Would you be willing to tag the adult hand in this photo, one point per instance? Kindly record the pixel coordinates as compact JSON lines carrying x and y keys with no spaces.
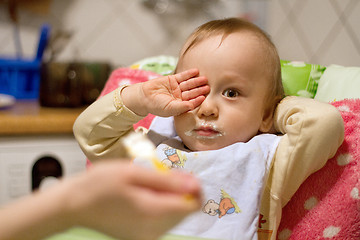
{"x":131,"y":202}
{"x":119,"y":199}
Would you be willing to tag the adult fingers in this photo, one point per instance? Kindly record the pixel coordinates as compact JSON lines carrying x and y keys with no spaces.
{"x":160,"y":203}
{"x":174,"y":182}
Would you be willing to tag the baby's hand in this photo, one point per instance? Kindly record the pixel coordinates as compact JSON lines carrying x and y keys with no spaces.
{"x":168,"y":95}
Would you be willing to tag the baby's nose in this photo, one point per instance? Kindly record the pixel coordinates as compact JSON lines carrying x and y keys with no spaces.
{"x":208,"y":108}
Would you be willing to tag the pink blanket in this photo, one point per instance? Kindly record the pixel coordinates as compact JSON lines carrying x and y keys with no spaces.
{"x":327,"y":205}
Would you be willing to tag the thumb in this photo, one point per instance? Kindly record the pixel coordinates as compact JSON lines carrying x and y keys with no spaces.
{"x":172,"y":181}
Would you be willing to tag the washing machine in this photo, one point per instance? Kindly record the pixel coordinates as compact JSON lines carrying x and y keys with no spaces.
{"x":32,"y":163}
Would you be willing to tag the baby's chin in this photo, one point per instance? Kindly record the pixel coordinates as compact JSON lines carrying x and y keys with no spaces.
{"x":205,"y":146}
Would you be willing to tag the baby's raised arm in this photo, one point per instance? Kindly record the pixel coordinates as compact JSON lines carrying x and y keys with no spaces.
{"x":167,"y":96}
{"x":101,"y":126}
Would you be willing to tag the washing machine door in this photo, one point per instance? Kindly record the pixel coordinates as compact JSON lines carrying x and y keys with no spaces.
{"x":45,"y":171}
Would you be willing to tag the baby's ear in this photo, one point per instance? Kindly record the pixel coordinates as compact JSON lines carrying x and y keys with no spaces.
{"x":267,"y":124}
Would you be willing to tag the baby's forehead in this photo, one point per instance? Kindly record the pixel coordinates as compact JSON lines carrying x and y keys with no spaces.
{"x":257,"y":44}
{"x":250,"y":42}
{"x":192,"y":41}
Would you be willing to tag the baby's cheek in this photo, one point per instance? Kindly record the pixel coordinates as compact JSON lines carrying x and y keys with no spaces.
{"x":184,"y":122}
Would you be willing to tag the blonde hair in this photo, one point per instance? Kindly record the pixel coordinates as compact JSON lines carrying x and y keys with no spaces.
{"x":227,"y":26}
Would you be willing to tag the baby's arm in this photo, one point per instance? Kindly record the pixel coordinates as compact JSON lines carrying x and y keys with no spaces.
{"x":314,"y":131}
{"x":101,"y":126}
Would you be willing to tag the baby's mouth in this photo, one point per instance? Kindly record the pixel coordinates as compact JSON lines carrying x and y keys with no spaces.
{"x":205,"y":131}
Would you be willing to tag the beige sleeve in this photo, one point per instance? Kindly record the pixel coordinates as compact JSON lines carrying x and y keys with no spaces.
{"x":101,"y":126}
{"x":314,"y":131}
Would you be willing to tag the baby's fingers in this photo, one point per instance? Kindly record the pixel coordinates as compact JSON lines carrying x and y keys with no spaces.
{"x":193,"y":83}
{"x":196,"y":101}
{"x":185,"y":75}
{"x":195,"y":92}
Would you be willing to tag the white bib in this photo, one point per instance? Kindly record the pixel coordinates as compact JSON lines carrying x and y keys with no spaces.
{"x":232,"y":181}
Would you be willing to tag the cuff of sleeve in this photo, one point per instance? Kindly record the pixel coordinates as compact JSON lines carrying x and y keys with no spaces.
{"x":119,"y":104}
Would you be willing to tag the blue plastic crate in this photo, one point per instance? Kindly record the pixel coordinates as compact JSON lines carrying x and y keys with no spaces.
{"x":20,"y":77}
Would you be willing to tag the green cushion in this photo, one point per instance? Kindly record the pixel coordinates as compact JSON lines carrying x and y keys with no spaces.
{"x":163,"y":65}
{"x":300,"y":78}
{"x":338,"y":83}
{"x":87,"y":234}
{"x":80,"y":234}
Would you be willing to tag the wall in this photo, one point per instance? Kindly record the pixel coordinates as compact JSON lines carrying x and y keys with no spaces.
{"x":124,"y":31}
{"x":318,"y":31}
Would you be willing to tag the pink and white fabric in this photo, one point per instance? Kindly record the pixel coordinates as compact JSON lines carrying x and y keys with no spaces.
{"x":327,"y":205}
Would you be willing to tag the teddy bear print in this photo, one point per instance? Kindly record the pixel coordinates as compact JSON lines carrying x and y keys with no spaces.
{"x":227,"y":205}
{"x":174,"y":158}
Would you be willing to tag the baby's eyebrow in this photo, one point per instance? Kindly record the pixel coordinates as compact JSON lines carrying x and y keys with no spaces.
{"x":235,"y":81}
{"x":232,"y":76}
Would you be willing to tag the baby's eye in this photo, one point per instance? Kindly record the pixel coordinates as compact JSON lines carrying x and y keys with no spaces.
{"x":230,"y":93}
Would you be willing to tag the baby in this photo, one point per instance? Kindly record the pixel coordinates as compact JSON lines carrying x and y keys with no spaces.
{"x":222,"y":96}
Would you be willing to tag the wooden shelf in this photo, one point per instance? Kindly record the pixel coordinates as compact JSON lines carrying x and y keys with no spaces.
{"x":28,"y":117}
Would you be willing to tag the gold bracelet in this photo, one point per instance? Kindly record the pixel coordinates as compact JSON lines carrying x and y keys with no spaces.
{"x":118,"y":102}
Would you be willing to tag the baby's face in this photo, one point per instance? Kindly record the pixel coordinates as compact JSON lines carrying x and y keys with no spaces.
{"x":235,"y":109}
